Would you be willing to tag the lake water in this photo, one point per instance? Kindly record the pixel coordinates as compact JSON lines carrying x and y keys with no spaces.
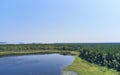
{"x":47,"y":64}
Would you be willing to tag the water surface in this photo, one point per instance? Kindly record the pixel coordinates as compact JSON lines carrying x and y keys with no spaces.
{"x":47,"y":64}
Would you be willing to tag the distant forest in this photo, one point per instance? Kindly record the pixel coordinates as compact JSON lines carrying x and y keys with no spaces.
{"x":103,"y":54}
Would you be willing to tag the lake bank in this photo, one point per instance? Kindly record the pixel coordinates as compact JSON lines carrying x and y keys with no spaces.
{"x":11,"y":53}
{"x":83,"y":67}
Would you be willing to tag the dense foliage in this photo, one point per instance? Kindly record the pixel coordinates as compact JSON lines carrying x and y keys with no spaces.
{"x":104,"y":54}
{"x":24,"y":47}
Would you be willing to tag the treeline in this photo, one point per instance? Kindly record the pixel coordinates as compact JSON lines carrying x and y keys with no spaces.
{"x":103,"y":54}
{"x":24,"y":47}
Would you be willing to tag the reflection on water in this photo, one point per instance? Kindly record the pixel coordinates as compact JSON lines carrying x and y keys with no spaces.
{"x":48,"y":64}
{"x":69,"y":73}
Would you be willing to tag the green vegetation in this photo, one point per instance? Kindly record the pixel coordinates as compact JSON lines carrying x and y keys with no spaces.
{"x":8,"y":53}
{"x":92,"y":59}
{"x":19,"y":49}
{"x":103,"y":54}
{"x":83,"y":67}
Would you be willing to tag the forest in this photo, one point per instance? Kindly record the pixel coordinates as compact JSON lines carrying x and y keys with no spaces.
{"x":103,"y":54}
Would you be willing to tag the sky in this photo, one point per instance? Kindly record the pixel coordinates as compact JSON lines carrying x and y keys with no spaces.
{"x":59,"y":21}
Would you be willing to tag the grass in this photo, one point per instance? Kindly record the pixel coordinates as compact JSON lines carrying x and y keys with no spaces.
{"x":83,"y":67}
{"x":8,"y":53}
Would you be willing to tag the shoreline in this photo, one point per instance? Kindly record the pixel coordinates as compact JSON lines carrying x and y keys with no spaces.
{"x":12,"y":53}
{"x":82,"y":67}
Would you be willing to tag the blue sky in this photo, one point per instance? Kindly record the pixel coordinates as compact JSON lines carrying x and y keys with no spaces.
{"x":60,"y":21}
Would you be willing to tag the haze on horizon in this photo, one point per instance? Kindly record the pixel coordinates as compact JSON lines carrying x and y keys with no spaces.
{"x":48,"y":21}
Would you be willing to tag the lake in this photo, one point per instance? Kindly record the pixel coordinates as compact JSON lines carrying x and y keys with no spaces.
{"x":46,"y":64}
